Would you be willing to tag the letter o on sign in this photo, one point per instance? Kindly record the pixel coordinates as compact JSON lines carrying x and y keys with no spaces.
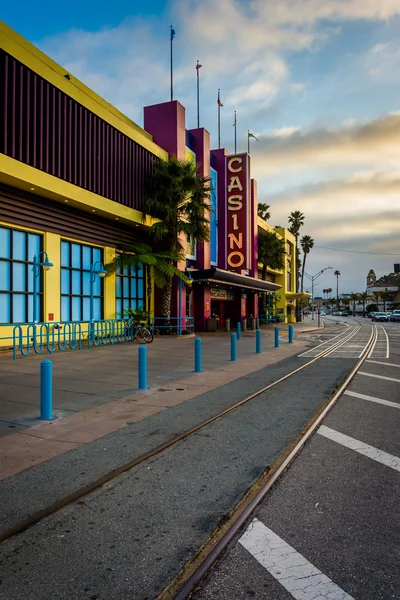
{"x":237,"y":262}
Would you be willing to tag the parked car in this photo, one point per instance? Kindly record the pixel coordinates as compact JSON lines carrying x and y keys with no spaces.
{"x":344,"y":313}
{"x":381,"y":316}
{"x":395,"y":315}
{"x":371,"y":315}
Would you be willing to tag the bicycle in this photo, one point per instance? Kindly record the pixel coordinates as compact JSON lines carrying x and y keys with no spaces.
{"x":141,"y":334}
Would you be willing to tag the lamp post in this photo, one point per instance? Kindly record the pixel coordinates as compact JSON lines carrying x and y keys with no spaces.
{"x":96,"y":268}
{"x":46,"y":264}
{"x":312,"y":278}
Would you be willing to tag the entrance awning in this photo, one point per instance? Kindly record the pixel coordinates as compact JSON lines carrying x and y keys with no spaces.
{"x":215,"y":275}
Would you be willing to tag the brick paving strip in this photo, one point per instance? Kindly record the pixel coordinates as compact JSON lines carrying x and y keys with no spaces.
{"x":34,"y":445}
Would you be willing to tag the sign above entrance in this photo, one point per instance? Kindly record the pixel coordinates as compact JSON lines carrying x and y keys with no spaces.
{"x":237,"y":212}
{"x":217,"y":294}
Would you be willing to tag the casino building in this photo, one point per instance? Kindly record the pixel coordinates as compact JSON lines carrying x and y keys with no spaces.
{"x":73,"y":171}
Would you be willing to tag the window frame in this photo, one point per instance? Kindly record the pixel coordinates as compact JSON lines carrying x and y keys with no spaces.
{"x":28,"y":266}
{"x":81,"y":272}
{"x":122,"y":297}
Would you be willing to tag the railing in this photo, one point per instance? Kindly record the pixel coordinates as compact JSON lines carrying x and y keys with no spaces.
{"x":74,"y":335}
{"x":266,"y":319}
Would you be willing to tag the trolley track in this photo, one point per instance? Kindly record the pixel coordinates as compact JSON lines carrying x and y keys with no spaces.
{"x":87,"y":489}
{"x":188,"y":580}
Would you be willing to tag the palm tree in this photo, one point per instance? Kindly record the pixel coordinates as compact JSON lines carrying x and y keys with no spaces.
{"x":178,"y":200}
{"x":377,"y":296}
{"x":354,"y":298}
{"x":271,"y":253}
{"x":263,"y":211}
{"x":364,"y":296}
{"x":337,"y":275}
{"x":158,"y":266}
{"x":306,"y":243}
{"x":385,"y":295}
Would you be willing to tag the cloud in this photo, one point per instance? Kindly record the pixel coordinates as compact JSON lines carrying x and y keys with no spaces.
{"x":367,"y":143}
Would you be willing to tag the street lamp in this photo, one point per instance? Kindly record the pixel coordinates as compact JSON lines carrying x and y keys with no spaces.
{"x":96,"y":268}
{"x":312,"y":279}
{"x":46,"y":264}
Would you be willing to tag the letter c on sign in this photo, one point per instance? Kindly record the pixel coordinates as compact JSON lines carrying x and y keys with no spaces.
{"x":238,"y":261}
{"x":231,"y":161}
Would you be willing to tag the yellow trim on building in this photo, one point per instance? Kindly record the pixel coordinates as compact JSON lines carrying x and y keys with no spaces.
{"x":44,"y":66}
{"x":286,"y":298}
{"x":24,"y":177}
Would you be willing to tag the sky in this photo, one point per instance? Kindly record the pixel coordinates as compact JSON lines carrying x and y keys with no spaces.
{"x":316,"y":81}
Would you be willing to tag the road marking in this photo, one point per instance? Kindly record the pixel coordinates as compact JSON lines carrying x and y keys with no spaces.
{"x":378,"y":376}
{"x":323,"y":343}
{"x":365,"y":449}
{"x":379,"y":362}
{"x":293,"y":571}
{"x":372,"y":399}
{"x":387,"y":341}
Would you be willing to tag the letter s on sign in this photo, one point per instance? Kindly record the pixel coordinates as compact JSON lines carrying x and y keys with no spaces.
{"x":235,"y":202}
{"x":230,"y":163}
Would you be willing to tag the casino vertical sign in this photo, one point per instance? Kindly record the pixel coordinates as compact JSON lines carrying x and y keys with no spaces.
{"x":237,"y":212}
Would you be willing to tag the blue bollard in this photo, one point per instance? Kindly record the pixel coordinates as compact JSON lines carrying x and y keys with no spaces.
{"x":258,"y":341}
{"x":239,"y":328}
{"x":233,"y":346}
{"x":142,"y":368}
{"x":197,"y":356}
{"x":291,"y":334}
{"x":46,"y":390}
{"x":276,"y":336}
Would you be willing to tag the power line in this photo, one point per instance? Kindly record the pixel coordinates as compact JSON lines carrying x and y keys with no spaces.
{"x":357,"y":251}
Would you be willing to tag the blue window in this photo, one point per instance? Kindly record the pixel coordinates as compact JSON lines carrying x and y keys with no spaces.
{"x":130,"y":292}
{"x":17,"y":249}
{"x":214,"y":217}
{"x":76,"y":260}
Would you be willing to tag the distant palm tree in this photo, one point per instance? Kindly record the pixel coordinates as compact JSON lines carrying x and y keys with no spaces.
{"x":324,"y":293}
{"x":364,"y":296}
{"x":337,"y":275}
{"x":354,"y":298}
{"x":263,"y":211}
{"x":377,"y":296}
{"x":296,"y":220}
{"x":385,"y":295}
{"x":306,"y":243}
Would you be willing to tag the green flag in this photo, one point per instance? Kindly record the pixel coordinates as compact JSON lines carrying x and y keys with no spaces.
{"x":252,"y":135}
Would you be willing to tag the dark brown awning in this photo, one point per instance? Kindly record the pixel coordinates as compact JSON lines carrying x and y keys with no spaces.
{"x":215,"y":275}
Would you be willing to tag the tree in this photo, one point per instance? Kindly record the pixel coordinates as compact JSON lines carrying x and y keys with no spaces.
{"x":178,"y":200}
{"x":263,"y":211}
{"x":364,"y":296}
{"x":271,"y":253}
{"x":306,"y":243}
{"x":158,"y":266}
{"x":337,"y":275}
{"x":377,"y":296}
{"x":354,"y":298}
{"x":296,"y":220}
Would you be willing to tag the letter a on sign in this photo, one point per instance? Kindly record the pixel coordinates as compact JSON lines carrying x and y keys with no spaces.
{"x":235,"y":184}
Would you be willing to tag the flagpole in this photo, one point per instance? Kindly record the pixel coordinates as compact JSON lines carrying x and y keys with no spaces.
{"x":219,"y":121}
{"x":235,"y":131}
{"x":198,"y":67}
{"x":172,"y":82}
{"x":248,"y":141}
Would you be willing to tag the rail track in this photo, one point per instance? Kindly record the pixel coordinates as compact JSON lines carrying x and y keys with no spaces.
{"x":186,"y":582}
{"x":38,"y":516}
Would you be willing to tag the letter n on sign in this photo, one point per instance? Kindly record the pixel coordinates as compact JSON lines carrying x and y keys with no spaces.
{"x":237,"y":217}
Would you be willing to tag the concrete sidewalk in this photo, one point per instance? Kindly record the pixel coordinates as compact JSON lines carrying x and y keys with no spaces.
{"x":95,"y":391}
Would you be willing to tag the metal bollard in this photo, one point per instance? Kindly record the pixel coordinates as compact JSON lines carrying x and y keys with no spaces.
{"x":276,"y":336}
{"x":233,"y":346}
{"x":142,"y":358}
{"x":197,"y":356}
{"x":257,"y":323}
{"x":46,"y":390}
{"x":244,"y":324}
{"x":238,"y":330}
{"x":227,"y":324}
{"x":254,"y":324}
{"x":291,"y":333}
{"x":258,"y":341}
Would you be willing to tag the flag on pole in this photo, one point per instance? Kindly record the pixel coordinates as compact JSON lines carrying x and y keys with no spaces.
{"x":234,"y":120}
{"x":252,"y":135}
{"x":198,"y":66}
{"x":219,"y":100}
{"x":172,"y":33}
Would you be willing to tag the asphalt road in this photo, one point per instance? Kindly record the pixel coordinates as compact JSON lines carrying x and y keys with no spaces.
{"x":131,"y":537}
{"x":331,"y":527}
